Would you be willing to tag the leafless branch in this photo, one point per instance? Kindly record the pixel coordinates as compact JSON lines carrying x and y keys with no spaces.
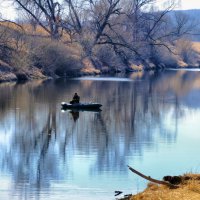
{"x":153,"y":180}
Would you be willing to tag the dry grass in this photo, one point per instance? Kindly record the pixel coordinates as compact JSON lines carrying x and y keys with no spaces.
{"x":188,"y":190}
{"x":136,"y":67}
{"x":196,"y":46}
{"x":27,"y":29}
{"x":188,"y":52}
{"x":51,"y":56}
{"x":88,"y":67}
{"x":7,"y":76}
{"x":10,"y":25}
{"x":24,"y":28}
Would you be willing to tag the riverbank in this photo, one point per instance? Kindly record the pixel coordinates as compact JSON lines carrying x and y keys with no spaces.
{"x":40,"y":57}
{"x":9,"y":73}
{"x":52,"y":59}
{"x":188,"y":189}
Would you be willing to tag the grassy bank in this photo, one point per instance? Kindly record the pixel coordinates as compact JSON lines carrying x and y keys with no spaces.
{"x":189,"y":189}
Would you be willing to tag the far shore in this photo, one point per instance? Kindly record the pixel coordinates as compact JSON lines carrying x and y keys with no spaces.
{"x":9,"y":75}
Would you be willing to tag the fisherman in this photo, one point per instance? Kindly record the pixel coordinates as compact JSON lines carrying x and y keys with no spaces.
{"x":76,"y":99}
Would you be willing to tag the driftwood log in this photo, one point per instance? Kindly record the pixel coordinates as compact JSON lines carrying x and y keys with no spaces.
{"x":176,"y":180}
{"x":153,"y":180}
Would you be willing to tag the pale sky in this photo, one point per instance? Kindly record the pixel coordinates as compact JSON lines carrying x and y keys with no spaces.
{"x":190,"y":4}
{"x":8,"y":11}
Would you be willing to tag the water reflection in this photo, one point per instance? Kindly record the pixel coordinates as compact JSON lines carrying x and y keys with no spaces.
{"x":39,"y":144}
{"x":75,"y":114}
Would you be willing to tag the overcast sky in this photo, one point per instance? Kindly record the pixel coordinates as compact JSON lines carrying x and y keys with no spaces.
{"x":190,"y":4}
{"x":9,"y":13}
{"x":7,"y":10}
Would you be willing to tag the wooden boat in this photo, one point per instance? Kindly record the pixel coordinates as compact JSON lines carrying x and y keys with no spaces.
{"x":81,"y":106}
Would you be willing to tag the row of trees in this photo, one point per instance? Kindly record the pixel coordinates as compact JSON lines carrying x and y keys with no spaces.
{"x":128,"y":31}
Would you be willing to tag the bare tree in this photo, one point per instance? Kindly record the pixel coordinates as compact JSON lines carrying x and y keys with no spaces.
{"x":134,"y":29}
{"x":28,"y":18}
{"x":142,"y":30}
{"x":50,"y":10}
{"x":88,"y":20}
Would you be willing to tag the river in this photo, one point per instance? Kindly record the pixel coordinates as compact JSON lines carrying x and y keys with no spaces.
{"x":149,"y":121}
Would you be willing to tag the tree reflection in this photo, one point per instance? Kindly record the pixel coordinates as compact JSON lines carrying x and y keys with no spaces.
{"x":41,"y":140}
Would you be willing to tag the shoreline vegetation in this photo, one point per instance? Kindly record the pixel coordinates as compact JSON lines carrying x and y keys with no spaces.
{"x":52,"y":39}
{"x":71,"y":64}
{"x":185,"y":187}
{"x":189,"y":189}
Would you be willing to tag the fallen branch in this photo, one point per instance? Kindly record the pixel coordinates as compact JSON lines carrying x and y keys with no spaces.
{"x":153,"y":180}
{"x":118,"y":193}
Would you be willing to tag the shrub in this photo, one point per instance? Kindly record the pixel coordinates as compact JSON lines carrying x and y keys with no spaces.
{"x":5,"y":44}
{"x":55,"y":57}
{"x":186,"y":51}
{"x":20,"y":60}
{"x":107,"y":57}
{"x":162,"y":56}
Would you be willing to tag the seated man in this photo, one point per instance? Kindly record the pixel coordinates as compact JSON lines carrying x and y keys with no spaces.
{"x":76,"y":99}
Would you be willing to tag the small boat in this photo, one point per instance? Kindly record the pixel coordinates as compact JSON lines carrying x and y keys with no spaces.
{"x":81,"y":106}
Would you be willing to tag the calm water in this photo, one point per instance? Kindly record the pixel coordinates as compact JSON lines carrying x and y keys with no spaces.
{"x":150,"y":122}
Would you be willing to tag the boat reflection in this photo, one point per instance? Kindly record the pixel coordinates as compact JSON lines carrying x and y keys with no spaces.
{"x":81,"y":109}
{"x":75,"y":115}
{"x":75,"y":111}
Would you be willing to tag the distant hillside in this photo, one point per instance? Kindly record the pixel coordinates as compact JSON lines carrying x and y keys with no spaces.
{"x":192,"y":13}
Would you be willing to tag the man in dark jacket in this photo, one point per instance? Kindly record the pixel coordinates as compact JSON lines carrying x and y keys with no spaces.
{"x":76,"y":99}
